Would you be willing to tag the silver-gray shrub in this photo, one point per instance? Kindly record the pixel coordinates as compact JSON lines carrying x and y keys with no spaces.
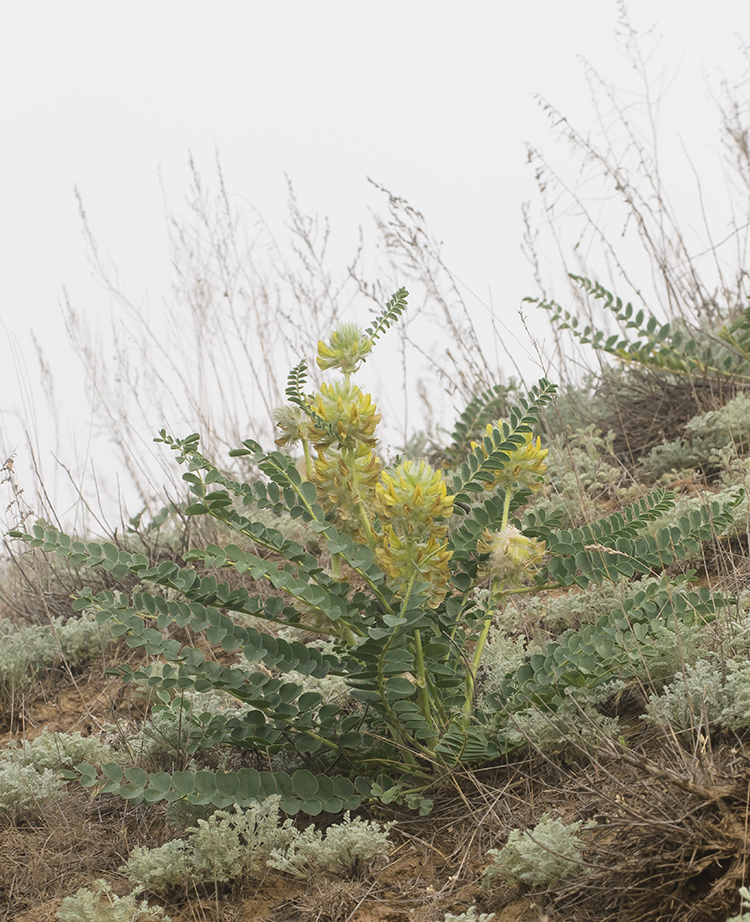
{"x":538,"y":857}
{"x":26,"y":652}
{"x":742,"y":916}
{"x":714,"y":692}
{"x":229,"y":844}
{"x":26,"y":793}
{"x":221,"y":848}
{"x":574,"y":729}
{"x":471,"y":915}
{"x":704,"y":437}
{"x":169,"y":728}
{"x":99,"y":904}
{"x":347,"y":848}
{"x":57,"y":751}
{"x":581,"y":471}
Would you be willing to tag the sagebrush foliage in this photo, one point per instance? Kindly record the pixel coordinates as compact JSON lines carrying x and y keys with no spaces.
{"x":229,"y":844}
{"x":394,"y":595}
{"x":26,"y":653}
{"x":538,"y":857}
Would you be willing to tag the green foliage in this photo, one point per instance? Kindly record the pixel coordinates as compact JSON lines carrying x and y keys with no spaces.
{"x":484,"y":408}
{"x":539,"y":857}
{"x":101,"y":905}
{"x":403,"y":590}
{"x":665,"y":347}
{"x":617,"y":646}
{"x":390,"y":314}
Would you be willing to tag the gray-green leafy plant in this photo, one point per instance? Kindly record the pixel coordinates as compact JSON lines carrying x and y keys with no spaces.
{"x":404,"y":549}
{"x":745,"y":904}
{"x":346,"y":849}
{"x":56,"y":751}
{"x":714,"y":692}
{"x":231,"y":843}
{"x":26,"y":653}
{"x":220,"y":848}
{"x":670,"y":348}
{"x":471,"y":915}
{"x":541,"y":856}
{"x":26,"y":793}
{"x":100,"y":904}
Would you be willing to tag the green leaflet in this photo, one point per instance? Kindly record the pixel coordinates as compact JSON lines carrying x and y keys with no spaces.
{"x":659,"y":346}
{"x":302,"y":791}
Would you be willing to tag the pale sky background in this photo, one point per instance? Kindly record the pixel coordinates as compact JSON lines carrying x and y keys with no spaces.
{"x":434,"y":100}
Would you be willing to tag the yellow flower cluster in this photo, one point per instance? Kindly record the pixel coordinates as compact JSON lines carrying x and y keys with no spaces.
{"x":344,"y":480}
{"x":412,"y":504}
{"x":352,"y":415}
{"x":346,"y":349}
{"x":526,"y":464}
{"x":513,"y":557}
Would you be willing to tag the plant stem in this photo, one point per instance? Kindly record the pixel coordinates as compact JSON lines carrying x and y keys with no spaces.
{"x":308,"y":459}
{"x":506,"y":509}
{"x":423,"y":694}
{"x":471,"y":672}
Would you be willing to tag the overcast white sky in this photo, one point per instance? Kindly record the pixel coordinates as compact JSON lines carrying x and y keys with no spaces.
{"x":432,"y":99}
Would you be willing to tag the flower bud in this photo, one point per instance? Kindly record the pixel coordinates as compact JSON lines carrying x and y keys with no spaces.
{"x":293,"y":424}
{"x":346,"y":349}
{"x":513,"y":557}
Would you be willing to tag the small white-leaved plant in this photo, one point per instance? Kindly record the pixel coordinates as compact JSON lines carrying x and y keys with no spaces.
{"x":470,"y":916}
{"x":709,"y":693}
{"x":220,"y":848}
{"x":347,"y":849}
{"x":538,"y":857}
{"x":26,"y":652}
{"x":228,"y":845}
{"x":101,"y":905}
{"x":56,"y":751}
{"x":26,"y":793}
{"x":745,"y":898}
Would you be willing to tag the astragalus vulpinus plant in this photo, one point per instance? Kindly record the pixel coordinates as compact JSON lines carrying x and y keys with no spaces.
{"x":415,"y":563}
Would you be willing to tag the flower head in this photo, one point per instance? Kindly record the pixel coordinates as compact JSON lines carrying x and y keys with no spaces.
{"x":412,"y":502}
{"x":346,"y":349}
{"x":525,"y":465}
{"x":412,"y":496}
{"x":293,"y":424}
{"x":513,"y":556}
{"x":351,"y":415}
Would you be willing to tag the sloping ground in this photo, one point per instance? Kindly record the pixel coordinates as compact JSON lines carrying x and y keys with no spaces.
{"x":669,"y":840}
{"x":664,"y":810}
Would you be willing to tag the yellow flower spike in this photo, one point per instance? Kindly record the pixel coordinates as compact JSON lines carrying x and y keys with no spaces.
{"x":411,"y":501}
{"x":351,"y":414}
{"x":526,"y":465}
{"x":514,"y":558}
{"x":412,"y":496}
{"x":335,"y":476}
{"x":346,"y":349}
